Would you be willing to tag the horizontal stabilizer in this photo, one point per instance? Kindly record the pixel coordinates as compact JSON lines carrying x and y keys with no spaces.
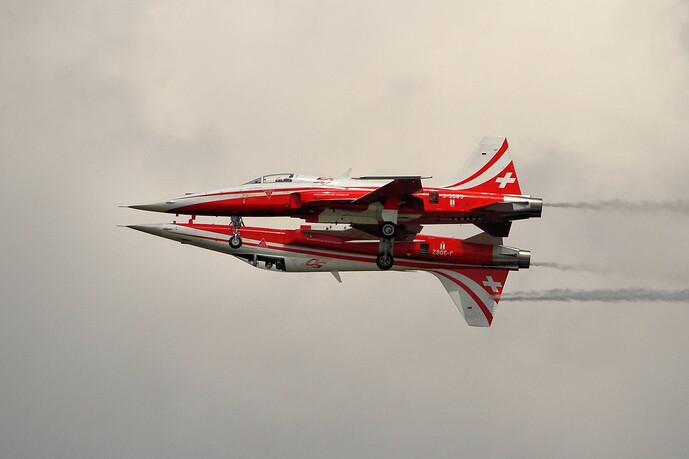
{"x":484,"y":239}
{"x":496,"y":229}
{"x":476,"y":292}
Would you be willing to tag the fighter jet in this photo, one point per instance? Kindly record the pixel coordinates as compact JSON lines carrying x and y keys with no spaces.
{"x":473,"y":270}
{"x":487,"y":194}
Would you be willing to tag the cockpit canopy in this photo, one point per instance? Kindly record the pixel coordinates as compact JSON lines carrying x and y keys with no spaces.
{"x":272,"y":178}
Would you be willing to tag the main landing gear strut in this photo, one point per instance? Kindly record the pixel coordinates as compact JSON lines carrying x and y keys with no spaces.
{"x":388,"y":231}
{"x":235,"y":223}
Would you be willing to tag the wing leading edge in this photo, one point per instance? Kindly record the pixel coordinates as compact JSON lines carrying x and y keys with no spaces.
{"x":398,"y":187}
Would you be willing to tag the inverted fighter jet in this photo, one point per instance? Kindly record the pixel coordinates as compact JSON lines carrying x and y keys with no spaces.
{"x":473,"y":270}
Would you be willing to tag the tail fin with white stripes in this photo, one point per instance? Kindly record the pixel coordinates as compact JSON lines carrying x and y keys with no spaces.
{"x":475,"y":291}
{"x":490,"y":169}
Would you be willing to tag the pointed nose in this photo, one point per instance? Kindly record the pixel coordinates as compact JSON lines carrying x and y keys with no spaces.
{"x":156,"y":230}
{"x":154,"y":207}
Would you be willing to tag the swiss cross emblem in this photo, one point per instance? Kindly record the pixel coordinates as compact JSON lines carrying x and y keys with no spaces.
{"x":492,"y":284}
{"x":505,"y":180}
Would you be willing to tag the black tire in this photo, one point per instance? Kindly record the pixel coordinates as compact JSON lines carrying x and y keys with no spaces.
{"x":388,"y":230}
{"x":384,"y":261}
{"x":235,"y":241}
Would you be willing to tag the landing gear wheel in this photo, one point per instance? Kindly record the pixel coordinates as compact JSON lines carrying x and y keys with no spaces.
{"x":385,"y":261}
{"x":388,"y":230}
{"x":235,"y":241}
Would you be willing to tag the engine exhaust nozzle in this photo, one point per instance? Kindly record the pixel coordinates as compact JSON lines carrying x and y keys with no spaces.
{"x":510,"y":257}
{"x":523,"y":259}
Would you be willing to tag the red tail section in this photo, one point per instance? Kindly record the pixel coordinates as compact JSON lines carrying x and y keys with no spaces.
{"x":490,"y":169}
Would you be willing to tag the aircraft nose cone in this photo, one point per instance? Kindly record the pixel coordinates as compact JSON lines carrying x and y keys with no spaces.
{"x":156,"y":230}
{"x":154,"y":207}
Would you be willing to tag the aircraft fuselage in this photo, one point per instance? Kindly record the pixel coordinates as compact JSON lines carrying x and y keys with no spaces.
{"x":327,"y":200}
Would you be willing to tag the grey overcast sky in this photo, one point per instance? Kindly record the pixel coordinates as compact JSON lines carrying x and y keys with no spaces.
{"x":114,"y":343}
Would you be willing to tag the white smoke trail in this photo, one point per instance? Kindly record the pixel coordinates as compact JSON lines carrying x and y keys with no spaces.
{"x":604,"y":295}
{"x":561,"y":266}
{"x":678,"y":206}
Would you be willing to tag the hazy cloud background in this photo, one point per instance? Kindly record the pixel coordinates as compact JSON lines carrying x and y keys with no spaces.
{"x":114,"y":343}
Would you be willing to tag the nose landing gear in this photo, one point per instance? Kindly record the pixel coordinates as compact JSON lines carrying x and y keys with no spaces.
{"x":235,"y":241}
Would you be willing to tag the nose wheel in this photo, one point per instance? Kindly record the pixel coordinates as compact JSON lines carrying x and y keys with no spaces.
{"x":236,"y":240}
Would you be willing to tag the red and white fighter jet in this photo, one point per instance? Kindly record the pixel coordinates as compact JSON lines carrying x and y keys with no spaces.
{"x":473,"y":270}
{"x":487,"y":194}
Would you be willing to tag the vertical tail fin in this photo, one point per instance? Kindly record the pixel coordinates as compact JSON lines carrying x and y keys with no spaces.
{"x":475,"y":291}
{"x":490,"y":169}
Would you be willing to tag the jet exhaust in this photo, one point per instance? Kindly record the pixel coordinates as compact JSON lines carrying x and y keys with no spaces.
{"x":510,"y":257}
{"x":519,"y":207}
{"x":623,"y":295}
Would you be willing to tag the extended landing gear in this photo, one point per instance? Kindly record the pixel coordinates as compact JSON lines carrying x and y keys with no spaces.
{"x":236,"y":240}
{"x":384,"y":261}
{"x":388,"y":230}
